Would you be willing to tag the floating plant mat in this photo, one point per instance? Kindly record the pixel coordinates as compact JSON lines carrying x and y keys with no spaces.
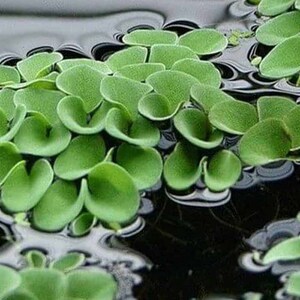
{"x":76,"y":158}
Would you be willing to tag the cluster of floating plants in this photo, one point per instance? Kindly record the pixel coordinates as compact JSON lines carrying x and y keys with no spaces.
{"x":61,"y":279}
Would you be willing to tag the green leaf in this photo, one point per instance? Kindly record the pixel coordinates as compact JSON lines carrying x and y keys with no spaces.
{"x":278,"y":29}
{"x":204,"y":41}
{"x":37,"y":137}
{"x":10,"y":280}
{"x":274,"y":107}
{"x":174,"y":85}
{"x":44,"y":284}
{"x":204,"y":71}
{"x":84,"y":82}
{"x":183,"y":166}
{"x":297,"y":4}
{"x":40,"y":100}
{"x":88,"y":151}
{"x":72,"y":114}
{"x":139,"y":72}
{"x":265,"y":142}
{"x":59,"y":206}
{"x":7,"y":103}
{"x":111,"y":194}
{"x":69,"y":262}
{"x":169,"y":54}
{"x":36,"y":259}
{"x":156,"y":107}
{"x":292,"y":285}
{"x":193,"y":124}
{"x":235,"y":117}
{"x":141,"y":132}
{"x":222,"y":171}
{"x":124,"y":93}
{"x":70,"y":63}
{"x":207,"y":96}
{"x":91,"y":285}
{"x":281,"y":61}
{"x":286,"y":251}
{"x":131,"y":158}
{"x":19,"y":294}
{"x":128,"y":56}
{"x":8,"y":75}
{"x":22,"y":190}
{"x":83,"y":224}
{"x":293,"y":127}
{"x":38,"y":65}
{"x":274,"y":7}
{"x":9,"y":157}
{"x":144,"y":37}
{"x":48,"y":83}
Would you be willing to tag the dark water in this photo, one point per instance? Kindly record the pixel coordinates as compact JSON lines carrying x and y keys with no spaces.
{"x":194,"y":250}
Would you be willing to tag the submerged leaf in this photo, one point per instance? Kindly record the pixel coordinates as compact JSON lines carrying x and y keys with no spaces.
{"x":293,"y":127}
{"x":235,"y":117}
{"x":204,"y":41}
{"x":59,"y":206}
{"x":145,"y":37}
{"x":21,"y":190}
{"x":274,"y":7}
{"x":88,"y":151}
{"x":69,"y":262}
{"x":193,"y":124}
{"x":111,"y":194}
{"x":8,"y":75}
{"x":169,"y":54}
{"x":278,"y":29}
{"x":38,"y":65}
{"x":10,"y":280}
{"x":131,"y":158}
{"x":281,"y":61}
{"x":183,"y":166}
{"x":265,"y":142}
{"x":83,"y":224}
{"x":222,"y":170}
{"x":84,"y":82}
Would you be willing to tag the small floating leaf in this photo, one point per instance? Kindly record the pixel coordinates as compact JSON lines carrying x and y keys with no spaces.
{"x":124,"y":93}
{"x":131,"y":158}
{"x":286,"y":250}
{"x":84,"y":82}
{"x":70,"y":63}
{"x":292,"y":285}
{"x":141,"y":132}
{"x":144,"y":37}
{"x":274,"y":107}
{"x":40,"y":100}
{"x":292,"y":122}
{"x":38,"y":65}
{"x":265,"y":142}
{"x":204,"y":41}
{"x":193,"y":124}
{"x":111,"y":194}
{"x":37,"y":137}
{"x":207,"y":96}
{"x":68,"y":262}
{"x":72,"y":114}
{"x":88,"y":151}
{"x":36,"y":259}
{"x":140,"y":72}
{"x":274,"y":7}
{"x":128,"y":56}
{"x":59,"y":206}
{"x":222,"y":170}
{"x":7,"y":103}
{"x":10,"y":280}
{"x":44,"y":284}
{"x":83,"y":224}
{"x":183,"y":166}
{"x":169,"y":54}
{"x":281,"y":61}
{"x":22,"y":191}
{"x":234,"y":117}
{"x":278,"y":29}
{"x":157,"y":107}
{"x":204,"y":71}
{"x":97,"y":285}
{"x":8,"y":75}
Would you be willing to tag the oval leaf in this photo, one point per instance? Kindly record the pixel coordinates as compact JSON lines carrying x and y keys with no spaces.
{"x":36,"y":259}
{"x":274,"y":7}
{"x":292,"y":285}
{"x":68,"y":262}
{"x":83,"y":224}
{"x":8,"y":75}
{"x":10,"y":280}
{"x":293,"y":126}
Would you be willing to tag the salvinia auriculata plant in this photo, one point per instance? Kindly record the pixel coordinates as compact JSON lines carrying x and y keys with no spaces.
{"x":79,"y":137}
